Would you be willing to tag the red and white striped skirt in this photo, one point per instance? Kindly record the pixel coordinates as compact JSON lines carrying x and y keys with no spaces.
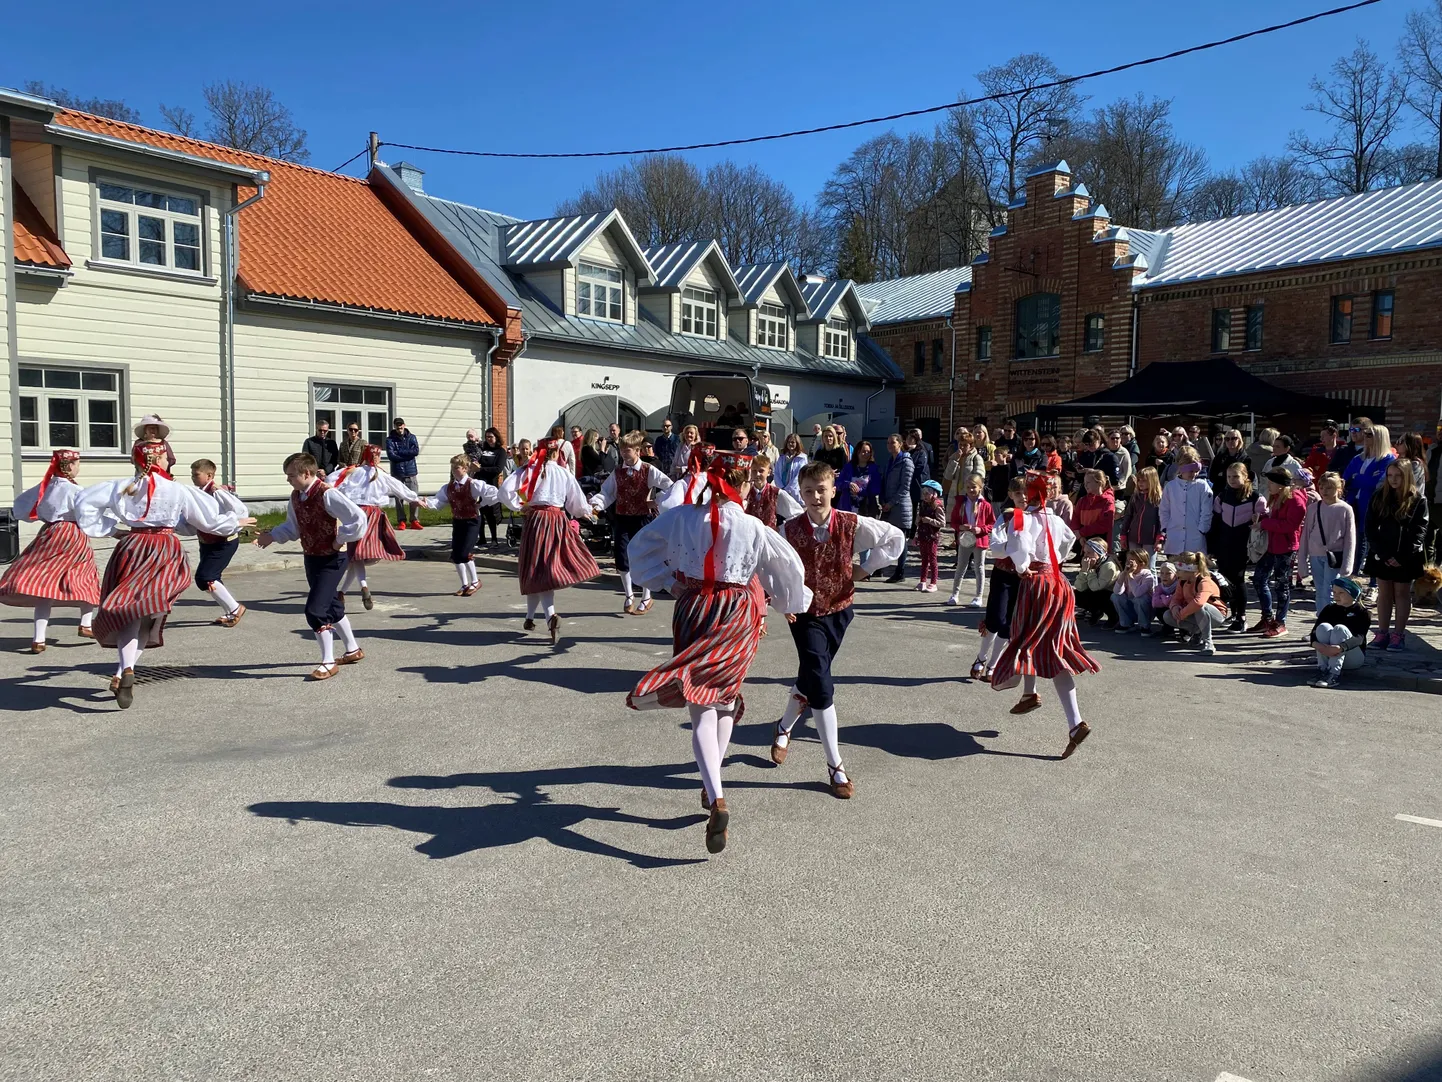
{"x":1044,"y":640}
{"x":380,"y":542}
{"x":716,"y":630}
{"x":146,"y":573}
{"x":57,"y":566}
{"x":553,"y":556}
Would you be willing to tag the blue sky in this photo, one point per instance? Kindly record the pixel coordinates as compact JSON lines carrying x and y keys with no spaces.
{"x":553,"y":75}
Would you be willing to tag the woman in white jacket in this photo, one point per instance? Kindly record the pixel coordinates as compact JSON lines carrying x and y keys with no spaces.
{"x":1186,"y":511}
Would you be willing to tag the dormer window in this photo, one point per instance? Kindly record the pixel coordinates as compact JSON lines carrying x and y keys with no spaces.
{"x":838,"y":339}
{"x":773,"y":327}
{"x":149,"y":228}
{"x":698,"y":312}
{"x":598,"y":292}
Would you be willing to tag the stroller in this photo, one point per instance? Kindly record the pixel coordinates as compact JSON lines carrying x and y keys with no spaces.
{"x":597,"y":533}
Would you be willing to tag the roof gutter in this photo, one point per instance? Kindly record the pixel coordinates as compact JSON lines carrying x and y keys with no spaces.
{"x":173,"y":157}
{"x":327,"y":308}
{"x":230,"y":257}
{"x":866,"y":409}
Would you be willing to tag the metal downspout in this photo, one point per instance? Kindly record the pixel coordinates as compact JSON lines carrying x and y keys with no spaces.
{"x":866,"y":419}
{"x":485,"y":364}
{"x":230,"y":257}
{"x":951,"y":390}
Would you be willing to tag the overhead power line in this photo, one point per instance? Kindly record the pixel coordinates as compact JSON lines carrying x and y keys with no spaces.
{"x":1064,"y":81}
{"x":352,"y":158}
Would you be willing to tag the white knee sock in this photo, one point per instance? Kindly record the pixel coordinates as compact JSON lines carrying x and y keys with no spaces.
{"x":626,"y":588}
{"x":326,"y":638}
{"x":347,"y":635}
{"x":42,"y":620}
{"x":532,"y":601}
{"x":87,"y":615}
{"x":465,"y":578}
{"x":997,"y":646}
{"x":548,"y":602}
{"x":703,"y":746}
{"x":223,"y":597}
{"x":471,"y":571}
{"x":795,"y":703}
{"x":725,"y":722}
{"x":1028,"y":685}
{"x":127,"y":646}
{"x":645,"y":593}
{"x":987,"y":641}
{"x":1065,"y":685}
{"x":826,"y":728}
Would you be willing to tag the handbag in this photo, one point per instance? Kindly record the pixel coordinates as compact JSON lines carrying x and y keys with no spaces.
{"x":1257,"y":542}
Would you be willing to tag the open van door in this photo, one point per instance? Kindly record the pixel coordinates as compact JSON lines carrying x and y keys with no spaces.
{"x":718,"y":401}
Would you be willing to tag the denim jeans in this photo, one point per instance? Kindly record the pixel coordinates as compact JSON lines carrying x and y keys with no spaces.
{"x":1323,"y":575}
{"x":1336,"y":635}
{"x":1274,"y":571}
{"x":1201,"y":623}
{"x":403,"y":506}
{"x":1133,"y":610}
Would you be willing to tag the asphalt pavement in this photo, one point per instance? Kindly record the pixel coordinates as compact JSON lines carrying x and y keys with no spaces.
{"x":466,"y":859}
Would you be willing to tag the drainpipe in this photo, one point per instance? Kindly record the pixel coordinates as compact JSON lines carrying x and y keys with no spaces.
{"x":230,"y":266}
{"x":1136,"y":325}
{"x":951,"y":387}
{"x":485,"y":363}
{"x":866,"y":416}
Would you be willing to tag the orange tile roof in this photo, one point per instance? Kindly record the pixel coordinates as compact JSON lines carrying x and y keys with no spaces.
{"x":35,"y":242}
{"x":319,"y":236}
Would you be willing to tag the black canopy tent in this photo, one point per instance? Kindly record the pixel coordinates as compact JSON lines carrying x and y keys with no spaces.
{"x":1211,"y":388}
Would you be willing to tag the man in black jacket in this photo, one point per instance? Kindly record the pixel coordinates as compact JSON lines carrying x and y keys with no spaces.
{"x":322,"y":448}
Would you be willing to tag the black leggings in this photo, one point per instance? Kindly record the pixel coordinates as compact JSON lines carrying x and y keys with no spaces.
{"x":1236,"y":593}
{"x":491,"y":520}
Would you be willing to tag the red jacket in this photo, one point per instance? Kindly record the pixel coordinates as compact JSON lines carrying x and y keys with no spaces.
{"x":985,"y":520}
{"x":1284,"y":524}
{"x":1093,"y":516}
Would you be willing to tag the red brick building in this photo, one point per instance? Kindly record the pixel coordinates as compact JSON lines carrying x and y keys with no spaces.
{"x":1340,"y":298}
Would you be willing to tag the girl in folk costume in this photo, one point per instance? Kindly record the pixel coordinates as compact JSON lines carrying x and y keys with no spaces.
{"x":57,"y":568}
{"x":147,"y":570}
{"x":720,"y":563}
{"x":324,"y":521}
{"x":827,"y":541}
{"x":465,"y":495}
{"x":632,"y":488}
{"x":216,"y":551}
{"x":995,"y":625}
{"x":765,"y":500}
{"x":369,"y":487}
{"x":1044,"y":640}
{"x":552,"y":555}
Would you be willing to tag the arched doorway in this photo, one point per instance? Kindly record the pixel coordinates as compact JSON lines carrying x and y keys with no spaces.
{"x":600,"y":410}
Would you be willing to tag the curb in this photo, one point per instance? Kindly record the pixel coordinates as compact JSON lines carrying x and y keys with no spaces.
{"x":1428,"y":685}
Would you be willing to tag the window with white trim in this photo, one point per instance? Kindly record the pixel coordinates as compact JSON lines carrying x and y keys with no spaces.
{"x":838,"y":339}
{"x":75,"y":408}
{"x":698,"y":312}
{"x":598,"y":292}
{"x":149,"y":228}
{"x":773,"y":327}
{"x":345,"y":405}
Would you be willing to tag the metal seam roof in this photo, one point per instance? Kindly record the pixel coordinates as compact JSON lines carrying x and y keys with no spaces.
{"x":918,"y":296}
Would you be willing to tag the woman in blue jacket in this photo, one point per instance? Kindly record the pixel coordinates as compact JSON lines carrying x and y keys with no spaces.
{"x":896,"y":506}
{"x":1363,"y":476}
{"x":862,"y":472}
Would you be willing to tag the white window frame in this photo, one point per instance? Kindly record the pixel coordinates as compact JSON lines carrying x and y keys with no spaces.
{"x":700,"y":312}
{"x":773,"y":326}
{"x":333,"y":401}
{"x":837,"y":334}
{"x":598,"y":285}
{"x":39,"y":402}
{"x":109,"y":203}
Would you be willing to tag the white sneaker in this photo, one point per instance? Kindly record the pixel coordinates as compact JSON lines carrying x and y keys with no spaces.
{"x":977,"y":603}
{"x":953,"y":600}
{"x":1208,"y":649}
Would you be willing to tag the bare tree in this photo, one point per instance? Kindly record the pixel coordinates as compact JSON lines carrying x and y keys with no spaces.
{"x":1407,"y":164}
{"x":814,"y":246}
{"x":113,"y":108}
{"x":754,"y":216}
{"x":1221,"y":195}
{"x":1012,"y":129}
{"x":1279,"y":182}
{"x":1362,"y":102}
{"x":661,"y":196}
{"x":1420,"y":54}
{"x":244,"y":116}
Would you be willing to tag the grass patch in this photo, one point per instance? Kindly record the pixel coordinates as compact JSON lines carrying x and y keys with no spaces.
{"x":428,"y":518}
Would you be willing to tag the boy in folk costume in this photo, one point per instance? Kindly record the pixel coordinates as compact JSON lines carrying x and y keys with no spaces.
{"x":766,"y":501}
{"x":1044,"y":640}
{"x":369,"y":487}
{"x":324,"y":521}
{"x":632,"y":487}
{"x":147,"y":570}
{"x":552,"y":555}
{"x":720,"y":563}
{"x":827,"y":541}
{"x":995,"y":624}
{"x":465,"y":495}
{"x":216,"y":551}
{"x":57,"y":568}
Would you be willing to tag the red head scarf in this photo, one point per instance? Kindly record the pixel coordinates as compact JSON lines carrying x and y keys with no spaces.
{"x":721,"y":462}
{"x":534,"y":468}
{"x":370,"y":456}
{"x":57,"y":459}
{"x":151,"y":458}
{"x":696,"y":466}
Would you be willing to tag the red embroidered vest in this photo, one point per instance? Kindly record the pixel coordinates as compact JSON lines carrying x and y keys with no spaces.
{"x":209,"y":538}
{"x":762,"y":504}
{"x":463,"y":500}
{"x":633,"y":490}
{"x":317,"y":526}
{"x":828,"y":563}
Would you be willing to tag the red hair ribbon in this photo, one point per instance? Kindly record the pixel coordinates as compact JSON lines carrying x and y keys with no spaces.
{"x":1037,"y":487}
{"x":534,"y":468}
{"x":57,"y":459}
{"x":370,"y":456}
{"x":721,"y":461}
{"x":701,"y":454}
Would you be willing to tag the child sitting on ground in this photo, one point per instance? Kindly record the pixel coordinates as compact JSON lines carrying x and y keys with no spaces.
{"x":1093,"y":583}
{"x":1340,"y":636}
{"x":1162,"y":595}
{"x":1132,"y":593}
{"x":930,"y":519}
{"x":1197,"y":608}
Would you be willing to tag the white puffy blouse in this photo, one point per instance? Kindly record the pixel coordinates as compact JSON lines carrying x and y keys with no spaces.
{"x":556,"y":488}
{"x":1027,"y":547}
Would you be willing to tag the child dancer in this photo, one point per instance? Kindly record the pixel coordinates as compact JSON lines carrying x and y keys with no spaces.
{"x":325,"y":521}
{"x":720,"y":563}
{"x":766,"y":501}
{"x":827,"y":541}
{"x":465,"y":495}
{"x":369,"y":487}
{"x":147,"y":570}
{"x":552,"y":556}
{"x":972,"y":518}
{"x":995,"y":625}
{"x":57,"y":568}
{"x":1045,"y":642}
{"x":930,"y":519}
{"x":216,"y":550}
{"x":632,"y":487}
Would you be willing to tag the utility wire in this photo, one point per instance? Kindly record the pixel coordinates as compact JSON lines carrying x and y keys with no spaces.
{"x":352,"y":158}
{"x":1065,"y":81}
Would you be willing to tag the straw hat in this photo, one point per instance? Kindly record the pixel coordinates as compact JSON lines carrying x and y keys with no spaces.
{"x":151,"y":419}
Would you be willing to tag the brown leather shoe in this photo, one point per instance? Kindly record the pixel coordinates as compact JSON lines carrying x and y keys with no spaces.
{"x":978,"y":670}
{"x":125,"y":689}
{"x":324,"y":673}
{"x":1026,"y":704}
{"x":705,"y":800}
{"x":351,"y":658}
{"x":840,"y":790}
{"x":85,"y":632}
{"x":629,"y":608}
{"x":230,"y":619}
{"x":778,"y":751}
{"x":1080,"y":733}
{"x":37,"y":648}
{"x":554,"y":625}
{"x":644,"y":607}
{"x":716,"y":826}
{"x":530,"y":624}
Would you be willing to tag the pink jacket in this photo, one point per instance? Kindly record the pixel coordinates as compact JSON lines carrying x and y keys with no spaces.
{"x":985,"y":520}
{"x":1283,"y":524}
